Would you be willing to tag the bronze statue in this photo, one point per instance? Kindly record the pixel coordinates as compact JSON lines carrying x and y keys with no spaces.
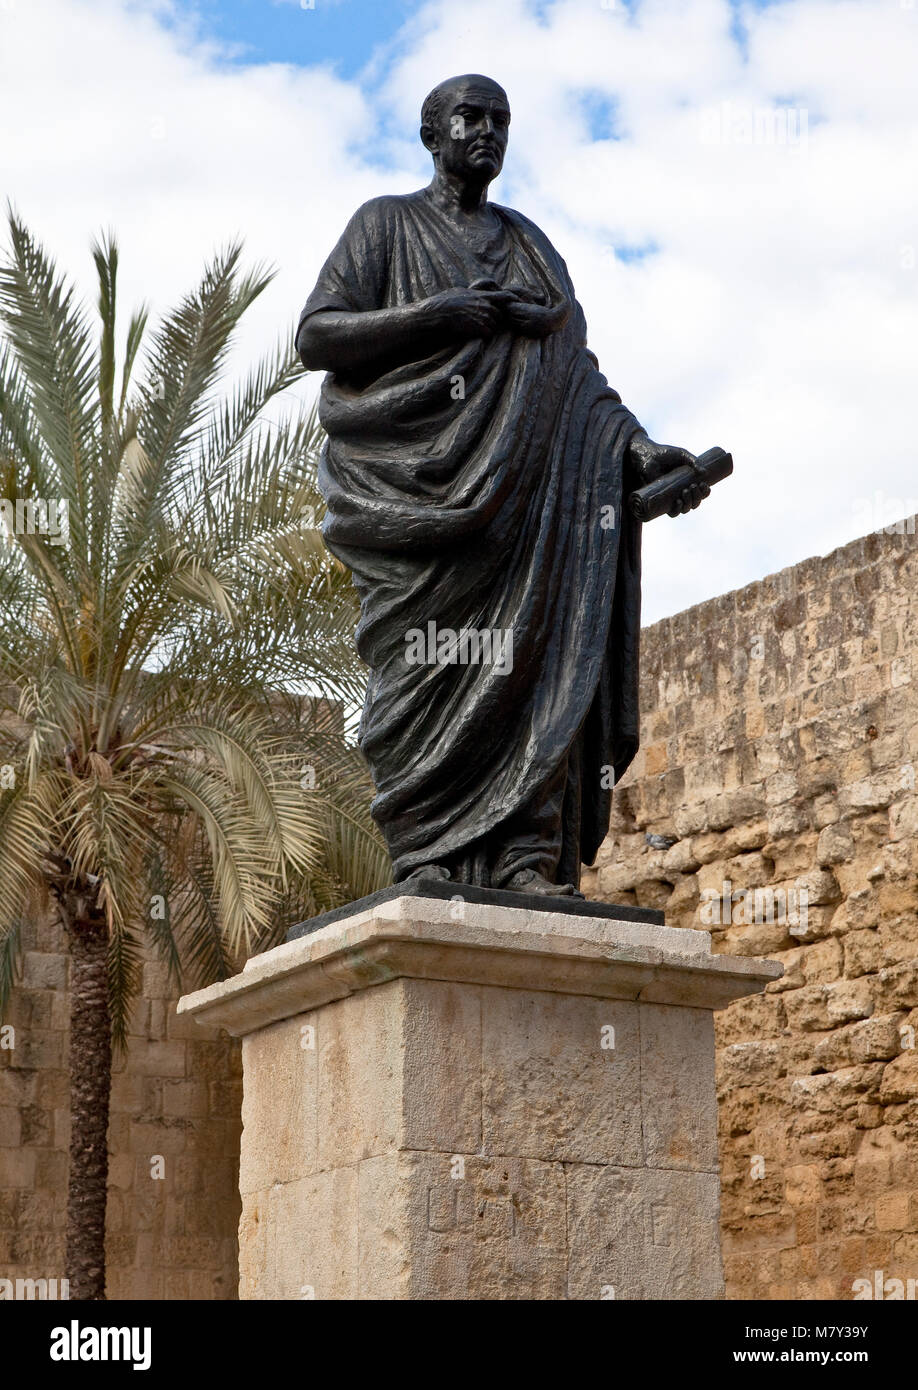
{"x":477,"y":476}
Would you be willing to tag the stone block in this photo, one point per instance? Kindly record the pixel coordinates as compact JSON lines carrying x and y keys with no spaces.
{"x":441,"y":1226}
{"x":678,"y":1094}
{"x":896,"y":1211}
{"x":17,"y":1168}
{"x":158,"y":1058}
{"x":900,"y":1079}
{"x":642,"y":1234}
{"x":874,"y":1039}
{"x":750,"y":1062}
{"x":442,"y":1073}
{"x":279,"y":1104}
{"x":560,"y":1077}
{"x":399,"y":1066}
{"x":41,"y":970}
{"x":313,"y":1236}
{"x":184,"y":1099}
{"x":10,"y":1126}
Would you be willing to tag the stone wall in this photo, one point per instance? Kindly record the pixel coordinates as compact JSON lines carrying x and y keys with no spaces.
{"x":173,"y":1205}
{"x":780,"y":740}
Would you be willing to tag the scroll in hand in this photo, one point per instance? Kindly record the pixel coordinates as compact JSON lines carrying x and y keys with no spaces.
{"x":649,"y":502}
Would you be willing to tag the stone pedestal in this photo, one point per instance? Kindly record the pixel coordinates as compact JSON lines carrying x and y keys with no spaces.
{"x":451,"y":1099}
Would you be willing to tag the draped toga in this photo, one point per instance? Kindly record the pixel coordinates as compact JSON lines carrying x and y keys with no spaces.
{"x":482,"y":487}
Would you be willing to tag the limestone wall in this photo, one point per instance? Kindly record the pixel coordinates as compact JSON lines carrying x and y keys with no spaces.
{"x":780,"y":740}
{"x":173,"y":1206}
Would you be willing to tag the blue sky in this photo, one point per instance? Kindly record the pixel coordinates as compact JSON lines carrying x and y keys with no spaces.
{"x":343,"y":33}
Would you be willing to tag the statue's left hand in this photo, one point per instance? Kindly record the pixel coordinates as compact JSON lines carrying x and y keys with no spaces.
{"x":651,"y":461}
{"x":525,"y":310}
{"x":689,"y":498}
{"x":537,"y":320}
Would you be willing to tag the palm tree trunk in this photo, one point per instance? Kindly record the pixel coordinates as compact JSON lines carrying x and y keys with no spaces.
{"x":90,"y":1089}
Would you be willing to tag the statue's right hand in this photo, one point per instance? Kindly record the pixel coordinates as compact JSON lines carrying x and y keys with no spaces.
{"x":468,"y":313}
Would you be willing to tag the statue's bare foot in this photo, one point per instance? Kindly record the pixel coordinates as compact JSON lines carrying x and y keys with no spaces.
{"x":428,"y":871}
{"x":530,"y":881}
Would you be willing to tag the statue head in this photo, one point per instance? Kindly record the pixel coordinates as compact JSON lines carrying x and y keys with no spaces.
{"x":465,"y":123}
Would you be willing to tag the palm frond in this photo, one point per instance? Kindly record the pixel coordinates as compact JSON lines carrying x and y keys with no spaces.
{"x":125,"y":972}
{"x":245,"y":872}
{"x":105,"y":255}
{"x":51,"y":337}
{"x":136,"y":330}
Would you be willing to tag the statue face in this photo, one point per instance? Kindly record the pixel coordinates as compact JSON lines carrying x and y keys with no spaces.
{"x":471,"y":136}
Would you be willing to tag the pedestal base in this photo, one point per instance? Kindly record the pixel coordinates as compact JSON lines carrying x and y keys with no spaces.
{"x":447,"y":1099}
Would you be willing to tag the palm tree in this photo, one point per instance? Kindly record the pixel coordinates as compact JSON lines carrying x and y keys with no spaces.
{"x":176,"y":663}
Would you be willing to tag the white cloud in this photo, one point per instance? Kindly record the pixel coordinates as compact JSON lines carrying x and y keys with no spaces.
{"x":777,"y":317}
{"x":109,"y":119}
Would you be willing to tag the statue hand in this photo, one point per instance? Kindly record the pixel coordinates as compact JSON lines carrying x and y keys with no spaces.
{"x":651,"y":461}
{"x":689,"y":499}
{"x":471,"y":313}
{"x":537,"y":320}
